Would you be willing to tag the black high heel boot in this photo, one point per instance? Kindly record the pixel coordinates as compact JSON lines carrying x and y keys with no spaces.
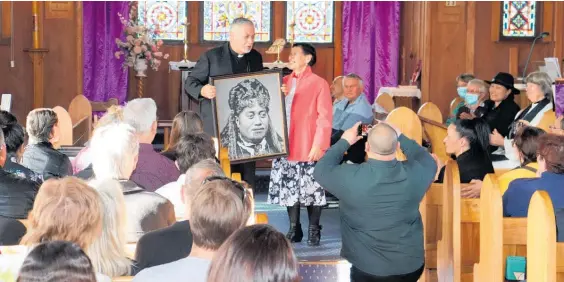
{"x":314,"y":235}
{"x":295,"y":233}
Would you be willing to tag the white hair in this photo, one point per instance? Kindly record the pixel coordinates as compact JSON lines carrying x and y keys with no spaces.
{"x":107,"y":252}
{"x":114,"y":149}
{"x":203,"y":168}
{"x":484,"y":87}
{"x":241,"y":21}
{"x":353,"y":76}
{"x":140,"y":113}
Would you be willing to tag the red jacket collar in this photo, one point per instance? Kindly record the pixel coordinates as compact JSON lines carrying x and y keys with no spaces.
{"x":306,"y":72}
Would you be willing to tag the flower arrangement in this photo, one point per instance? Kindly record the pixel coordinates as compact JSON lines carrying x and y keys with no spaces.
{"x":140,"y":43}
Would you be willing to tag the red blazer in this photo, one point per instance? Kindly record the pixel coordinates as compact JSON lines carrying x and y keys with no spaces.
{"x":311,"y":115}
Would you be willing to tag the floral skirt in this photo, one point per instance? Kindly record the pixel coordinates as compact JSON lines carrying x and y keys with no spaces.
{"x":292,"y":182}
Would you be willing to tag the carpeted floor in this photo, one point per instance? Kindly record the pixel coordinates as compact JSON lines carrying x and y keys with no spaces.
{"x":330,"y":234}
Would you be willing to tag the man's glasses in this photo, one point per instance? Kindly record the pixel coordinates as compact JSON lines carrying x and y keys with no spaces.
{"x":235,"y":183}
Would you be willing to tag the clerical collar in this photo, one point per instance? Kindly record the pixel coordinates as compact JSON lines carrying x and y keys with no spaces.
{"x":235,"y":54}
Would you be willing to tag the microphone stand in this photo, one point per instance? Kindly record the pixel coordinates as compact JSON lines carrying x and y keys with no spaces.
{"x":530,"y":54}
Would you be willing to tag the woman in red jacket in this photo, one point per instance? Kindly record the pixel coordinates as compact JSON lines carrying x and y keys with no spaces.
{"x":309,"y":117}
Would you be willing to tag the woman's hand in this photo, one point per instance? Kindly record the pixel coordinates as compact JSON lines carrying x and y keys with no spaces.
{"x":314,"y":154}
{"x":284,"y":89}
{"x":467,"y":116}
{"x":496,"y":139}
{"x":472,"y":190}
{"x":440,"y":165}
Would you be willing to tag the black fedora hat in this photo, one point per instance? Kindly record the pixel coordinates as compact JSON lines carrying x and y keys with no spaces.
{"x":506,"y":80}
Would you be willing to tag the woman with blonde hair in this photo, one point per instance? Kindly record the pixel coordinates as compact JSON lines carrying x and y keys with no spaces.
{"x":114,"y":114}
{"x":107,"y":252}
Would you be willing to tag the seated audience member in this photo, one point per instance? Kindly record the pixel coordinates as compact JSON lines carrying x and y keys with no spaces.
{"x":353,"y":108}
{"x":189,"y":150}
{"x":114,"y":149}
{"x":65,"y":209}
{"x":461,"y":88}
{"x":14,"y":138}
{"x":11,"y":231}
{"x":57,"y":261}
{"x":468,"y":141}
{"x":43,"y":130}
{"x":107,"y":252}
{"x":184,"y":123}
{"x":219,"y":208}
{"x":551,"y":176}
{"x":539,"y":92}
{"x":255,"y":253}
{"x":153,"y":169}
{"x":83,"y":162}
{"x":558,"y":126}
{"x":175,"y":242}
{"x":501,"y":108}
{"x":381,"y":227}
{"x":337,"y":89}
{"x":525,"y":145}
{"x":474,"y":100}
{"x":17,"y":193}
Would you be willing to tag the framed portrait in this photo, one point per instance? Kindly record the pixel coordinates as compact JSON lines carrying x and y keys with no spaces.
{"x":250,"y":115}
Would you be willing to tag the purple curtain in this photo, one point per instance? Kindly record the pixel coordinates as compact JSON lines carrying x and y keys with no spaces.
{"x":559,"y":99}
{"x":371,"y":43}
{"x":104,"y":76}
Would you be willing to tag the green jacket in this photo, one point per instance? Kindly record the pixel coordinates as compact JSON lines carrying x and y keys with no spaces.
{"x":381,"y":227}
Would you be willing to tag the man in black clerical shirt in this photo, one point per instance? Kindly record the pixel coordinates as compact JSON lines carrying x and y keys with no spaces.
{"x":233,"y":57}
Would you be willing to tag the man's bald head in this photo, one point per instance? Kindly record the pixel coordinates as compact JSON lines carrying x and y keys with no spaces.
{"x":383,"y":140}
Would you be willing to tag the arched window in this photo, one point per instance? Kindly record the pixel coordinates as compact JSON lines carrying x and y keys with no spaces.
{"x":311,"y":22}
{"x":169,"y":17}
{"x":218,"y":15}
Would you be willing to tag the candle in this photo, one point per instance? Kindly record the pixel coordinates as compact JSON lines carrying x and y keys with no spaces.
{"x":35,"y":28}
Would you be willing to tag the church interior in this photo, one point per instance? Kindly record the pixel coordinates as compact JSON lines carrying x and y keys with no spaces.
{"x":430,"y":70}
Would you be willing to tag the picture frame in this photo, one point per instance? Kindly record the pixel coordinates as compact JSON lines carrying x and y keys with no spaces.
{"x":249,"y":113}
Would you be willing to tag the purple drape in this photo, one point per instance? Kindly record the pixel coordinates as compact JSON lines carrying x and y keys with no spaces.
{"x":559,"y":99}
{"x":371,"y":43}
{"x":104,"y":76}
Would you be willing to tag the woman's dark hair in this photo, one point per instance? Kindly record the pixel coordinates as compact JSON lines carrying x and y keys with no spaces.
{"x":57,"y":261}
{"x":255,"y":253}
{"x":193,"y":148}
{"x":14,"y":134}
{"x":476,"y":131}
{"x":551,"y":149}
{"x":308,"y":49}
{"x":184,"y":123}
{"x":527,"y":142}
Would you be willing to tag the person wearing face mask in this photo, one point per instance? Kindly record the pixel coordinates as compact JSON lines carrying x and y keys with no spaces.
{"x":461,"y":84}
{"x":540,"y":93}
{"x":233,"y":57}
{"x":474,"y":106}
{"x":309,"y":117}
{"x":501,"y":108}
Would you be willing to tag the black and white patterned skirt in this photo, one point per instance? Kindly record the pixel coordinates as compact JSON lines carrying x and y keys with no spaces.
{"x":292,"y":182}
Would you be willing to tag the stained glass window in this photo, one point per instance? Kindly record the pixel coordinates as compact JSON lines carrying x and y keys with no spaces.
{"x":309,"y":21}
{"x":218,"y":15}
{"x":519,"y":19}
{"x":167,"y":16}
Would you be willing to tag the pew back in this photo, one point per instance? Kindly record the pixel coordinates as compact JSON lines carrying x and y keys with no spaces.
{"x":386,"y":101}
{"x":541,"y":239}
{"x":408,"y":123}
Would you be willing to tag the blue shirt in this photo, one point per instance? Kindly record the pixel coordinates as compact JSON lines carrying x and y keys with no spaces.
{"x":517,"y":197}
{"x":344,"y":117}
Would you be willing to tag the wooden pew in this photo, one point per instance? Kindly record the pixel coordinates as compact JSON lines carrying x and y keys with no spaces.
{"x":431,"y":119}
{"x":458,"y":247}
{"x":547,"y":120}
{"x":386,"y":101}
{"x":224,"y":160}
{"x":65,"y":127}
{"x":430,"y":209}
{"x":80,"y":112}
{"x":409,"y":124}
{"x":541,"y":240}
{"x":454,"y":103}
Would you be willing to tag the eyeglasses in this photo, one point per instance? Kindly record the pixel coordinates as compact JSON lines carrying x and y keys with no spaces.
{"x":235,"y":183}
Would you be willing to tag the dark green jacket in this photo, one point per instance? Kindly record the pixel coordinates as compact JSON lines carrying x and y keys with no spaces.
{"x":381,"y":227}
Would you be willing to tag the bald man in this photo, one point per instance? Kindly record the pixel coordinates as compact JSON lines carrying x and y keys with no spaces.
{"x":337,"y":89}
{"x":381,"y":227}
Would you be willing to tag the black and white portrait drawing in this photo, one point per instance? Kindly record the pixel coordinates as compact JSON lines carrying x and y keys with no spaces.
{"x":250,"y":116}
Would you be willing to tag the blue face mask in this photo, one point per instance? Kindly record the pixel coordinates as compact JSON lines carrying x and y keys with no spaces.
{"x":461,"y":91}
{"x":471,"y":99}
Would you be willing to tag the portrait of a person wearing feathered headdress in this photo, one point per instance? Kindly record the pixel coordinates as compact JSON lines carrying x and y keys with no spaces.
{"x":249,"y":132}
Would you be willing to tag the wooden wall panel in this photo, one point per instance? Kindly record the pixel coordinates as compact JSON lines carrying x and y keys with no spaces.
{"x":18,"y":81}
{"x":164,"y":87}
{"x":6,"y":20}
{"x":62,"y":35}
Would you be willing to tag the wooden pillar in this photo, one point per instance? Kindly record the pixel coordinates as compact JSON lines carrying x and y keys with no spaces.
{"x":37,"y":53}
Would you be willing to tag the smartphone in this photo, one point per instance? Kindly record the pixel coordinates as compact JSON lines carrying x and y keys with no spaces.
{"x":363,"y":129}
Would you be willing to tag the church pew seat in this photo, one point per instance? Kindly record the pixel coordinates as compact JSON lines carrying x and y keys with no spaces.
{"x":431,"y":119}
{"x":458,"y":247}
{"x":80,"y":112}
{"x":408,"y":123}
{"x":547,"y":120}
{"x":541,"y":239}
{"x":386,"y":101}
{"x":431,"y":209}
